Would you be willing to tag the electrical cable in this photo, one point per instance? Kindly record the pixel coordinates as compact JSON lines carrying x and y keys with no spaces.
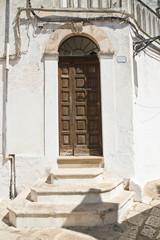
{"x":77,"y":19}
{"x":80,"y":19}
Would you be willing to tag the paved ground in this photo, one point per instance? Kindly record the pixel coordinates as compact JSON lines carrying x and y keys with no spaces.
{"x":142,"y":222}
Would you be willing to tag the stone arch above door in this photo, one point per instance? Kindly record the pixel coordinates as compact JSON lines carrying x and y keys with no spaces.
{"x":91,"y":31}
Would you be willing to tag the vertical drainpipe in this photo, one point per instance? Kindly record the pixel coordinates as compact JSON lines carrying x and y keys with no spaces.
{"x":7,"y":157}
{"x":5,"y":82}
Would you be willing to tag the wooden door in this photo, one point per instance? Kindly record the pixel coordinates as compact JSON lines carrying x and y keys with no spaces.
{"x":79,"y":108}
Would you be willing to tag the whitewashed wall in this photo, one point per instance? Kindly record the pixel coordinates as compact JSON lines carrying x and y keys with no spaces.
{"x":25,"y":108}
{"x":26,"y":130}
{"x":147,"y":117}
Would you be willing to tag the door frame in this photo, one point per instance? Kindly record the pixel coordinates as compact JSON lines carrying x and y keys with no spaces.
{"x":51,"y":114}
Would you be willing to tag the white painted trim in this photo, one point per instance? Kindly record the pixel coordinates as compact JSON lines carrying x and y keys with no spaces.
{"x":51,"y":109}
{"x":108,"y":105}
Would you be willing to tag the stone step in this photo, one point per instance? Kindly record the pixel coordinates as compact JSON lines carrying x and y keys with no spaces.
{"x":76,"y":175}
{"x":80,"y":162}
{"x":76,"y":193}
{"x":23,"y":213}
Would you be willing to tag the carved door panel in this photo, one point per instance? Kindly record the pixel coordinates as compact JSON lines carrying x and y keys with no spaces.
{"x":79,"y":108}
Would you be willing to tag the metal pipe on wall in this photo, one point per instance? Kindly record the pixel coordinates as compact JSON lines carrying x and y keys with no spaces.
{"x":12,"y":177}
{"x":5,"y":83}
{"x":7,"y":157}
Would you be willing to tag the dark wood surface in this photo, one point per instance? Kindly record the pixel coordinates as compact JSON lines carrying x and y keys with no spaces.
{"x":79,"y":107}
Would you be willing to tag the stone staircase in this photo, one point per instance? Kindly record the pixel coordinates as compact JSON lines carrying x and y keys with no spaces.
{"x":72,"y":197}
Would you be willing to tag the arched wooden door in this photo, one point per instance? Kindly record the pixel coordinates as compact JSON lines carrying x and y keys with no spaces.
{"x":79,"y":106}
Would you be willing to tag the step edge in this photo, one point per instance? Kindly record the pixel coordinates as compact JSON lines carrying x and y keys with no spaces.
{"x":80,"y":157}
{"x":72,"y":192}
{"x":44,"y":213}
{"x":77,"y":172}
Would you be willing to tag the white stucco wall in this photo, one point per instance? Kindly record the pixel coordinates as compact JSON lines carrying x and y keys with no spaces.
{"x":147,"y":116}
{"x":26,"y":106}
{"x":131,"y":134}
